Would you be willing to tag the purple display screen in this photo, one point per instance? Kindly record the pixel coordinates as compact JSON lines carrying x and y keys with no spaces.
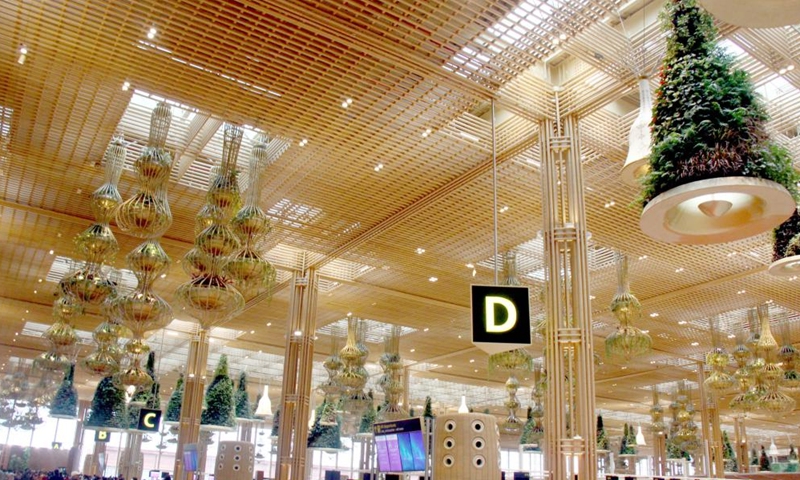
{"x":400,"y":445}
{"x":190,"y":457}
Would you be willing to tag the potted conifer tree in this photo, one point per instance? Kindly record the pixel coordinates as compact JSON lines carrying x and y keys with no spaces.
{"x":368,"y":418}
{"x":65,"y":403}
{"x":714,"y":176}
{"x":276,"y":424}
{"x":219,"y":412}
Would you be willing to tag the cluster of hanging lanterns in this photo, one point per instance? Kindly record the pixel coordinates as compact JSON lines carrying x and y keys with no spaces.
{"x":353,"y":376}
{"x":391,"y":382}
{"x":536,"y":434}
{"x":627,"y":340}
{"x":210,"y":296}
{"x":683,"y":431}
{"x":763,"y":369}
{"x":146,"y":215}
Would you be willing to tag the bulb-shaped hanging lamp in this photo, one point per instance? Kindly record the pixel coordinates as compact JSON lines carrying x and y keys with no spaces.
{"x":463,"y":408}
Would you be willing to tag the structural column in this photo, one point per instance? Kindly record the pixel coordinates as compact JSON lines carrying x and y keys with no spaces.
{"x":659,"y":453}
{"x":570,"y":428}
{"x":705,"y":425}
{"x":192,"y":406}
{"x":740,"y":438}
{"x":297,"y":376}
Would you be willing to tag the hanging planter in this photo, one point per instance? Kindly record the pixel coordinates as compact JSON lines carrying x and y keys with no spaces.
{"x":714,"y":175}
{"x":639,"y":138}
{"x":786,"y":248}
{"x":752,"y":14}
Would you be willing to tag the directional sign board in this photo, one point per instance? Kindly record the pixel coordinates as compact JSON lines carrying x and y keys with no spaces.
{"x":501,"y":318}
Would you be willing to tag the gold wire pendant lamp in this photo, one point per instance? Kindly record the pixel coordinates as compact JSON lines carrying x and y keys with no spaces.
{"x":210,"y":296}
{"x":627,"y":341}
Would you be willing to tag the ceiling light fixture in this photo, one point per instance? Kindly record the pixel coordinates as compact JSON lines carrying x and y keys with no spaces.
{"x":653,"y":315}
{"x":23,"y":53}
{"x":433,"y":279}
{"x":126,"y":86}
{"x":678,"y":270}
{"x":427,"y":132}
{"x":302,"y":143}
{"x":643,"y":257}
{"x":694,"y":344}
{"x":151,"y":34}
{"x":420,"y":251}
{"x":504,"y":209}
{"x":378,"y":167}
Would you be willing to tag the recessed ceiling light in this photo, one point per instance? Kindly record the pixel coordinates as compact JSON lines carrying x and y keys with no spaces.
{"x":425,"y":329}
{"x":35,"y":292}
{"x":449,"y":366}
{"x":643,"y":257}
{"x":678,"y":270}
{"x":420,"y":251}
{"x":653,"y":315}
{"x":163,"y":275}
{"x":469,"y":265}
{"x":731,"y":336}
{"x":126,"y":86}
{"x":51,"y":252}
{"x":471,"y":360}
{"x":426,"y":133}
{"x":23,"y":53}
{"x":252,"y":332}
{"x":682,"y":322}
{"x":741,"y":292}
{"x":623,"y":368}
{"x":645,"y":331}
{"x":302,"y":143}
{"x":151,"y":34}
{"x":345,"y":104}
{"x":349,"y":101}
{"x":269,"y":324}
{"x":40,"y":280}
{"x":413,"y":350}
{"x":782,"y":71}
{"x":610,"y":204}
{"x":378,"y":167}
{"x":592,"y":297}
{"x":298,"y":333}
{"x":504,"y":209}
{"x":694,"y":344}
{"x":476,"y":370}
{"x":433,"y":279}
{"x":459,"y":336}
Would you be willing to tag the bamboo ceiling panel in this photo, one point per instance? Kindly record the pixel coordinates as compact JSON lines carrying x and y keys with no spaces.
{"x":420,"y":76}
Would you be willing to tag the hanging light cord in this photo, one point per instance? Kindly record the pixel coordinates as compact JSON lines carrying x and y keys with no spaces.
{"x":494,"y":192}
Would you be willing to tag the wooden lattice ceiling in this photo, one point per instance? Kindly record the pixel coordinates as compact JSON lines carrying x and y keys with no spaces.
{"x":420,"y":76}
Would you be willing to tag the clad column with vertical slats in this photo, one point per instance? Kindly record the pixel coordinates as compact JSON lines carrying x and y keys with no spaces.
{"x":297,"y":370}
{"x":570,"y":446}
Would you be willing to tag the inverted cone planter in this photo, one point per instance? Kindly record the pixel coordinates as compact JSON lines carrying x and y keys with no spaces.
{"x":755,"y":14}
{"x":716,"y":210}
{"x":217,"y":428}
{"x":785,"y":267}
{"x":64,"y":417}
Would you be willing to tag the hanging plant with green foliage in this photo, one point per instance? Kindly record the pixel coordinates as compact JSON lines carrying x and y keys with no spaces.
{"x":324,"y":437}
{"x":243,"y":410}
{"x":708,"y":121}
{"x":219,"y":410}
{"x":65,"y":403}
{"x":108,"y":406}
{"x":175,"y":400}
{"x":276,"y":424}
{"x":603,"y":442}
{"x":728,"y":454}
{"x":369,"y":416}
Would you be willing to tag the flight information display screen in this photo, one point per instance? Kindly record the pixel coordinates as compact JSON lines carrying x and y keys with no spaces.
{"x":400,"y":446}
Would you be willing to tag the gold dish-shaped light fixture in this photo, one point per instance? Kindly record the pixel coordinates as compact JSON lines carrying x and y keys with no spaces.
{"x":716,"y":210}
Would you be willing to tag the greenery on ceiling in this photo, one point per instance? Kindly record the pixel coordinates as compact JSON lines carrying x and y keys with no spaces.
{"x":708,"y":120}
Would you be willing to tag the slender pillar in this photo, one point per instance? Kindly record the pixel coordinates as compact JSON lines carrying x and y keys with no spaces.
{"x":717,"y":461}
{"x":74,"y":461}
{"x":297,"y":367}
{"x":570,"y":428}
{"x":131,"y":464}
{"x":705,"y":426}
{"x":659,"y":453}
{"x":192,"y":406}
{"x":740,"y":437}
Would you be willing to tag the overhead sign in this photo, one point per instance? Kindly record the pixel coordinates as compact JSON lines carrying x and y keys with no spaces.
{"x":149,"y":420}
{"x":101,"y":436}
{"x":56,"y":445}
{"x":501,"y":318}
